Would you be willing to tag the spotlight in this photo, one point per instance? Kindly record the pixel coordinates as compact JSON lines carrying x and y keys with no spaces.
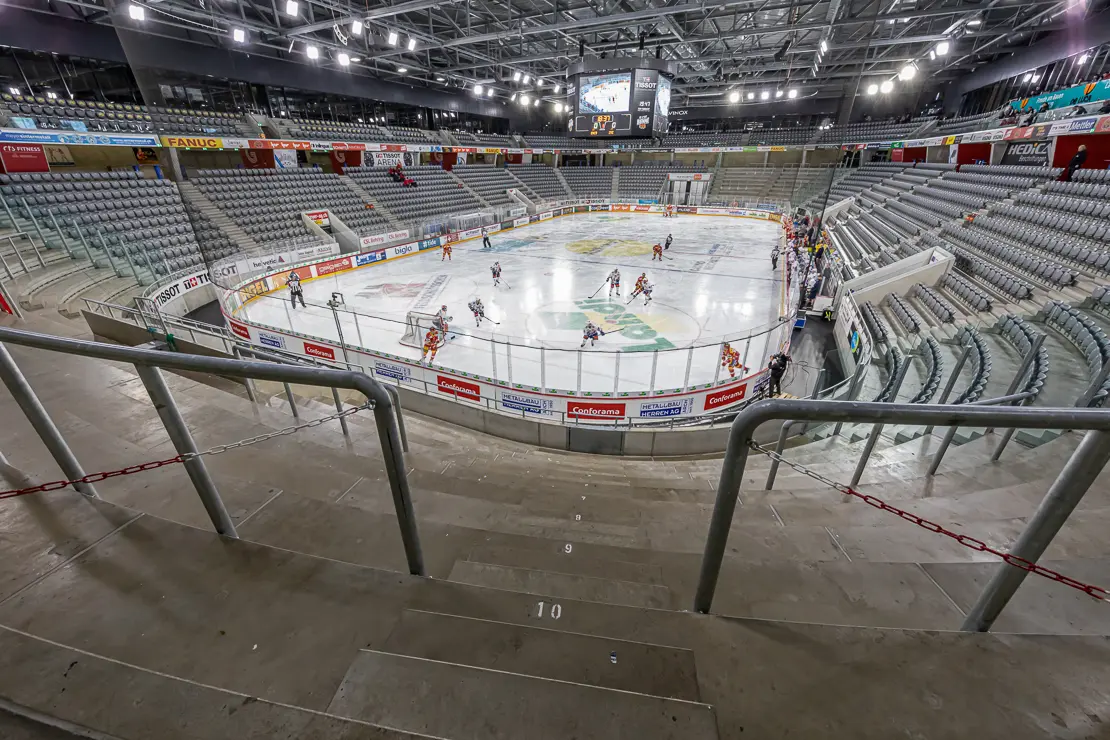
{"x":440,"y":79}
{"x":291,"y":7}
{"x":792,"y":94}
{"x":412,"y":44}
{"x":356,"y":60}
{"x":239,"y":35}
{"x":516,"y":76}
{"x":734,"y":97}
{"x":402,"y":70}
{"x":489,"y":92}
{"x":524,"y":99}
{"x":344,"y":59}
{"x":527,"y":79}
{"x":536,"y":103}
{"x":558,"y":88}
{"x":751,"y":96}
{"x":137,"y":12}
{"x":943,"y":48}
{"x":908,"y":72}
{"x":824,"y":46}
{"x":513,"y":98}
{"x":312,"y":52}
{"x":356,"y":27}
{"x":558,"y":107}
{"x":886,"y":87}
{"x":872,"y":89}
{"x":392,"y":38}
{"x":974,"y":22}
{"x":778,"y":93}
{"x":477,"y":89}
{"x":765,"y":95}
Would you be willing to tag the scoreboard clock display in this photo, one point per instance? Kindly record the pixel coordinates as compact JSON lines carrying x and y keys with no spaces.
{"x":604,"y":124}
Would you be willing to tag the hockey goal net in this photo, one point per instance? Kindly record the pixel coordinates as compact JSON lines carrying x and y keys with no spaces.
{"x":417,"y":325}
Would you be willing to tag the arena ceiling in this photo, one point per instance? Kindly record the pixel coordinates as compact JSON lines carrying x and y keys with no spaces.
{"x":818,"y":48}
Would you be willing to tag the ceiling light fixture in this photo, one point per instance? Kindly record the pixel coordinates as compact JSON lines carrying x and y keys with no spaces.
{"x":558,"y":88}
{"x":239,"y":35}
{"x":765,"y":95}
{"x":516,"y":76}
{"x":137,"y":12}
{"x":412,"y":44}
{"x":312,"y":52}
{"x":477,"y":89}
{"x":824,"y":46}
{"x":440,"y":79}
{"x":402,"y":70}
{"x":392,"y":38}
{"x":872,"y":89}
{"x":734,"y":97}
{"x":489,"y":92}
{"x":527,"y":79}
{"x":943,"y":48}
{"x":344,"y":59}
{"x":792,"y":94}
{"x":558,"y":107}
{"x":908,"y":72}
{"x":356,"y":60}
{"x":974,"y":22}
{"x":778,"y":93}
{"x":524,"y":99}
{"x":513,"y":98}
{"x":751,"y":96}
{"x":356,"y":27}
{"x":886,"y":87}
{"x":292,"y":7}
{"x":536,"y":103}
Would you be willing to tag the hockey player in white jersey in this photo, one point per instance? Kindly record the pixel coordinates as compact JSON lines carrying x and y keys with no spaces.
{"x":478,"y":310}
{"x":495,"y":270}
{"x":590,"y":333}
{"x":614,"y":282}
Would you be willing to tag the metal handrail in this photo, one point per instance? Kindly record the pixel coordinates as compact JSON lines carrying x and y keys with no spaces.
{"x":1062,"y":497}
{"x":148,"y":361}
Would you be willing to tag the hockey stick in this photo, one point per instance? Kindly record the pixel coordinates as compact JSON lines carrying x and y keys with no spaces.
{"x":599,"y":289}
{"x":632,"y":298}
{"x":507,"y":284}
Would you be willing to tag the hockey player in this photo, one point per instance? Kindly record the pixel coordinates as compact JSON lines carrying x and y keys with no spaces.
{"x":433,"y":340}
{"x":496,"y":271}
{"x":478,"y":309}
{"x":441,"y":319}
{"x":730,"y":358}
{"x":657,"y":253}
{"x":614,"y":282}
{"x":667,"y":245}
{"x":295,"y":289}
{"x":646,"y":290}
{"x":590,"y":334}
{"x":641,"y":281}
{"x":446,"y":253}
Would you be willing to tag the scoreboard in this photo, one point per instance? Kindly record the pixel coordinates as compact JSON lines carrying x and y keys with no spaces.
{"x":620,"y":101}
{"x":604,"y":124}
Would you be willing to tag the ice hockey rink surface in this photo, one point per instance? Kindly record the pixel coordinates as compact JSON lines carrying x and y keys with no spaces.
{"x":715,"y":283}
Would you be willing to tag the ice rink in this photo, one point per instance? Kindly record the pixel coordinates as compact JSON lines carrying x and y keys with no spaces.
{"x":716,"y":283}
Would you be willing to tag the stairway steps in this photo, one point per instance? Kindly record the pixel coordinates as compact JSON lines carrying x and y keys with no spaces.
{"x":467,"y":703}
{"x":561,"y":585}
{"x":605,"y":662}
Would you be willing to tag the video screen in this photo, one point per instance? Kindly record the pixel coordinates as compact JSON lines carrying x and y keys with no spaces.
{"x":663,"y":97}
{"x":608,"y":93}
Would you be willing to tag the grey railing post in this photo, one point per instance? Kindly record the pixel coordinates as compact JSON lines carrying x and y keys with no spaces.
{"x":784,"y":432}
{"x":396,"y":396}
{"x":32,"y":408}
{"x":38,"y":254}
{"x":35,"y":223}
{"x":18,"y":256}
{"x":8,"y":210}
{"x":877,"y":430}
{"x":728,"y":491}
{"x":1066,"y":492}
{"x":339,"y":408}
{"x":85,"y":245}
{"x":251,"y":393}
{"x":1094,"y":387}
{"x":183,"y":442}
{"x":951,"y":382}
{"x":108,"y":254}
{"x":292,"y":403}
{"x":1026,"y":363}
{"x":853,"y":388}
{"x":61,"y":235}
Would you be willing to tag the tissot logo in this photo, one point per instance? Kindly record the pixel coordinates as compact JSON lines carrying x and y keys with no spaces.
{"x":646,"y":84}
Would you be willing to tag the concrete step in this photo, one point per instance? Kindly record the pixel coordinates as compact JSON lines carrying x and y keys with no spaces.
{"x":59,"y":292}
{"x":642,"y":668}
{"x":105,"y":291}
{"x":467,"y":703}
{"x":59,"y":693}
{"x":561,"y":585}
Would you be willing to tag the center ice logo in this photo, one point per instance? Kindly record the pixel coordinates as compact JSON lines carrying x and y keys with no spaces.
{"x":610,"y":247}
{"x":612,"y":317}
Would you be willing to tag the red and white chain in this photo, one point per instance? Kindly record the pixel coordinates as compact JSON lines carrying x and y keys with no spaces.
{"x":217,"y":450}
{"x":978,"y":545}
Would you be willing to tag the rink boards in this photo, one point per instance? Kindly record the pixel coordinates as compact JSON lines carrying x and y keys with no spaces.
{"x":483,"y":391}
